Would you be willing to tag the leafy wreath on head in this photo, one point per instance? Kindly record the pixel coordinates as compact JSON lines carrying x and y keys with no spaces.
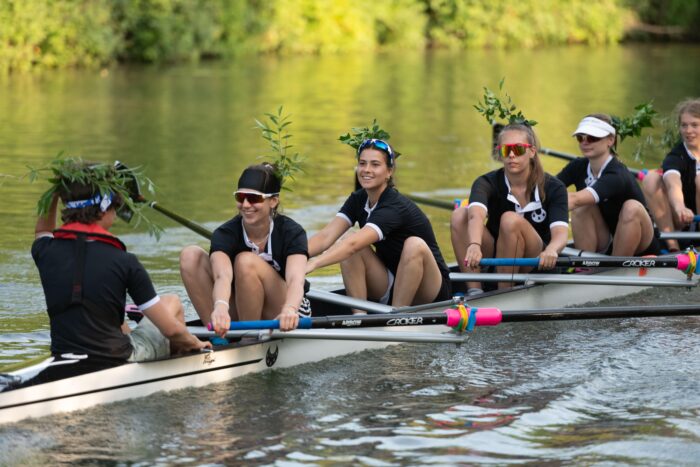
{"x":106,"y":178}
{"x":357,"y":136}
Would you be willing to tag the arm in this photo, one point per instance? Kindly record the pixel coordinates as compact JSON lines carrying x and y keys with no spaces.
{"x":181,"y":341}
{"x":46,"y":225}
{"x":294,"y":277}
{"x":674,"y":188}
{"x":548,"y":257}
{"x":327,"y":236}
{"x":343,"y":250}
{"x":477,"y":217}
{"x":222,"y":270}
{"x":581,"y":198}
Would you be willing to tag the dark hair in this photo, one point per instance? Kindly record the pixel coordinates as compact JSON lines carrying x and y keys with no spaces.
{"x":536,"y":177}
{"x":76,"y":191}
{"x":387,"y":160}
{"x":607,"y":119}
{"x":263,"y":178}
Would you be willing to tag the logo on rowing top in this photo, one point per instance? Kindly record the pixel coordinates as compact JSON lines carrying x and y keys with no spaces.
{"x":538,"y":216}
{"x":271,"y":356}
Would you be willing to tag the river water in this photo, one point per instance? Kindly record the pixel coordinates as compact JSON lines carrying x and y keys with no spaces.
{"x":606,"y":392}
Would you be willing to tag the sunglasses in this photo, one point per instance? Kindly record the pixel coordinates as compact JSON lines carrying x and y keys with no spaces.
{"x":518,"y":149}
{"x":587,"y":138}
{"x":379,"y":144}
{"x":253,"y":198}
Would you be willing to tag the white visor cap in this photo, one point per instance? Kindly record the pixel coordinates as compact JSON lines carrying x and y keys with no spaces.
{"x":594,"y":127}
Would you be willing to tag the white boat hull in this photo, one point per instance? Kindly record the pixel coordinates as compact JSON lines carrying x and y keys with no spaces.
{"x":134,"y":380}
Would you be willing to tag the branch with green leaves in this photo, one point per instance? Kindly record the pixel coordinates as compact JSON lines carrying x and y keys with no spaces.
{"x":275,"y":131}
{"x":63,"y":171}
{"x":357,"y":136}
{"x":495,"y":107}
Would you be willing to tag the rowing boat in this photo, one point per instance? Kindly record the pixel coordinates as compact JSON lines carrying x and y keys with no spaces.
{"x":262,"y":350}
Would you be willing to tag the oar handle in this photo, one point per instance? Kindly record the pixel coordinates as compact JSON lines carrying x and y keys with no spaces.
{"x":304,"y":323}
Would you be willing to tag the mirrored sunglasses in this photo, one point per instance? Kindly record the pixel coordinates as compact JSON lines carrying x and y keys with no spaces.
{"x":379,"y":144}
{"x":518,"y":149}
{"x":587,"y":138}
{"x":253,"y":198}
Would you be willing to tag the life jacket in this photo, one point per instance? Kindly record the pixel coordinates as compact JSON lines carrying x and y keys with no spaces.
{"x":81,"y":233}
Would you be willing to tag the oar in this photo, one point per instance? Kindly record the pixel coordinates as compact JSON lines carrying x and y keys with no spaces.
{"x":451,"y":318}
{"x":438,"y":203}
{"x":203,"y":231}
{"x":339,"y":334}
{"x":593,"y":279}
{"x":600,"y":312}
{"x":683,"y":262}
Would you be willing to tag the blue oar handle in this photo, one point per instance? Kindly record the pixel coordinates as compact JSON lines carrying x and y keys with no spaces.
{"x":533,"y":262}
{"x":304,"y":323}
{"x":696,"y":218}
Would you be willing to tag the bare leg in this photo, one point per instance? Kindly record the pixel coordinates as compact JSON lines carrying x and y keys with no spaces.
{"x":634,"y":230}
{"x":260,"y":291}
{"x":657,"y":199}
{"x":197,"y":276}
{"x":590,"y":231}
{"x":516,"y":239}
{"x":418,"y":278}
{"x":364,"y":276}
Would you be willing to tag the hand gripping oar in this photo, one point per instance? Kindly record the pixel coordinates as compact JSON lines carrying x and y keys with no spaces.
{"x":685,"y":262}
{"x":461,"y":319}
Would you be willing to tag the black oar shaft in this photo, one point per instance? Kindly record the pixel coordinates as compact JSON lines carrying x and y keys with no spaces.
{"x":619,"y":261}
{"x":204,"y":232}
{"x":564,"y":314}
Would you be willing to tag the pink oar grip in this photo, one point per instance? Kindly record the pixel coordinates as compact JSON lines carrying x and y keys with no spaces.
{"x":683,"y":262}
{"x":210,"y":327}
{"x":484,"y":316}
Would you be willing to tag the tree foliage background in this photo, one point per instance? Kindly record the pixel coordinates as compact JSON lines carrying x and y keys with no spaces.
{"x":37,"y":34}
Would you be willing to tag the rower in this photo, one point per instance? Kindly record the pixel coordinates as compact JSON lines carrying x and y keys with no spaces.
{"x":86,"y":274}
{"x":405,"y":267}
{"x":523,"y":209}
{"x":608,"y":210}
{"x":672,"y":192}
{"x":255,"y":267}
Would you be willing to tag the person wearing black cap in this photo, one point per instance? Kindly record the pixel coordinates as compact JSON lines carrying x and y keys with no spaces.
{"x":608,"y":211}
{"x":86,"y":274}
{"x":256,"y":262}
{"x":406,"y":266}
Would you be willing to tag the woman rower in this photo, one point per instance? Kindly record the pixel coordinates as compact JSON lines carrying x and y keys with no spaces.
{"x":608,"y":211}
{"x":406,"y":266}
{"x":673,"y":196}
{"x":255,"y":268}
{"x":524,"y":209}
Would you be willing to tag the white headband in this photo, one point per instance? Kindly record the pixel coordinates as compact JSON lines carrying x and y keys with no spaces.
{"x":594,"y":127}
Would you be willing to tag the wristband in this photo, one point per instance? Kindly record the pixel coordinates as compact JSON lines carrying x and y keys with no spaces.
{"x":222,"y":302}
{"x":295,"y":308}
{"x":473,"y":243}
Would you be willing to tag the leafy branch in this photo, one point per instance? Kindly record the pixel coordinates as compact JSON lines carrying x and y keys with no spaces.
{"x":63,"y":171}
{"x":276,"y":133}
{"x":494,"y":107}
{"x":632,"y":126}
{"x":357,"y":136}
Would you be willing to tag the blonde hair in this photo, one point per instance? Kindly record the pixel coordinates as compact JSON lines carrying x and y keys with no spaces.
{"x":688,"y":106}
{"x":537,"y":176}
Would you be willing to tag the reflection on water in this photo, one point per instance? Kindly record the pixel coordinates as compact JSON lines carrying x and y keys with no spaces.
{"x":618,"y":391}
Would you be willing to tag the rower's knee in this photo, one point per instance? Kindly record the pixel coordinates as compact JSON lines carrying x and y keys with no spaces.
{"x":651,"y":183}
{"x":191,"y":258}
{"x":509,"y":223}
{"x":459,"y":219}
{"x":631,"y":211}
{"x":414,"y":248}
{"x":245,"y":264}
